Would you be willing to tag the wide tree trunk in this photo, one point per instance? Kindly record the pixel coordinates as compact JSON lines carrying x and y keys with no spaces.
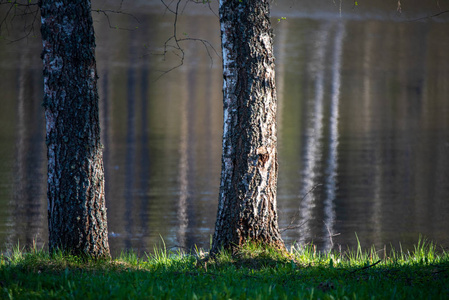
{"x":76,"y":203}
{"x":247,"y":200}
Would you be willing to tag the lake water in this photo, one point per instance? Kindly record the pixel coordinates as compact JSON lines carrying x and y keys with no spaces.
{"x":363,"y":131}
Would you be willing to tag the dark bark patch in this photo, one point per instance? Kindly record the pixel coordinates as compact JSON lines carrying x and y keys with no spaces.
{"x":263,"y":158}
{"x":263,"y":155}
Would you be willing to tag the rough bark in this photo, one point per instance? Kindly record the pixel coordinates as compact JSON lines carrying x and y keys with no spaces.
{"x":247,"y":200}
{"x":76,"y":201}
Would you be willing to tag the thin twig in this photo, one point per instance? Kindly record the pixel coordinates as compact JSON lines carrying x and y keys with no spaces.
{"x":367,"y":267}
{"x":212,"y":274}
{"x":296,"y":215}
{"x":429,"y":17}
{"x":289,"y":227}
{"x":331,"y":235}
{"x":173,"y":43}
{"x":167,"y":7}
{"x":21,"y":10}
{"x":106,"y":12}
{"x":201,"y":3}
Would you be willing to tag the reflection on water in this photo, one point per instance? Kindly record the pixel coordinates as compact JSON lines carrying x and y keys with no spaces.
{"x":363,"y":134}
{"x":22,"y":153}
{"x":332,"y":164}
{"x":313,"y":133}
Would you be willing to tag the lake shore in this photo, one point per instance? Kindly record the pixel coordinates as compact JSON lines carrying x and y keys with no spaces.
{"x":254,"y":272}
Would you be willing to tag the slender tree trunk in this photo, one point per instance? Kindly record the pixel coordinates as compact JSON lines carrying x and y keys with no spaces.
{"x":247,"y":200}
{"x":76,"y":204}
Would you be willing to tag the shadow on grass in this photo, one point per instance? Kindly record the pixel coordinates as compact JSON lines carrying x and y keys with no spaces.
{"x":252,"y":272}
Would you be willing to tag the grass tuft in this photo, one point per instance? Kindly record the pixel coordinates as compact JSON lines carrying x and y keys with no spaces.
{"x":252,"y":272}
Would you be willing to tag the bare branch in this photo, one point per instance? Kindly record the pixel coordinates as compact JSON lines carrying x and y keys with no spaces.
{"x":18,"y":3}
{"x":367,"y":267}
{"x":30,"y":27}
{"x":3,"y":22}
{"x":25,"y":8}
{"x":296,"y":215}
{"x":106,"y":12}
{"x":429,"y":17}
{"x":206,"y":45}
{"x":167,"y":7}
{"x":201,"y":2}
{"x":331,"y":235}
{"x":20,"y":9}
{"x":174,"y":37}
{"x":291,"y":226}
{"x":173,"y":43}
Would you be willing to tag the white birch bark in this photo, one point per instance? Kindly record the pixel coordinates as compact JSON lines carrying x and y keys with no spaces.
{"x":247,"y":199}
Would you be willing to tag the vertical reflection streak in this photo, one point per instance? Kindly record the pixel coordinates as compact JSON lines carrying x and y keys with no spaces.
{"x":183,"y":175}
{"x":282,"y":34}
{"x":25,"y":221}
{"x":130,"y":155}
{"x":145,"y":160}
{"x":369,"y":108}
{"x":16,"y":200}
{"x":314,"y":135}
{"x":332,"y":162}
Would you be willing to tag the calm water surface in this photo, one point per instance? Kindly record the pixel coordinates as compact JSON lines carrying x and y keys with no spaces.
{"x":363,"y":133}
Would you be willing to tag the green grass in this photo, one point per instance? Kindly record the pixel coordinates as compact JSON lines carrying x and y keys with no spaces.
{"x":255,"y":272}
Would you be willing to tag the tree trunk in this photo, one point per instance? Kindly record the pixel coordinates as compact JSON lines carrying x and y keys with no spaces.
{"x":76,"y":203}
{"x":247,"y":200}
